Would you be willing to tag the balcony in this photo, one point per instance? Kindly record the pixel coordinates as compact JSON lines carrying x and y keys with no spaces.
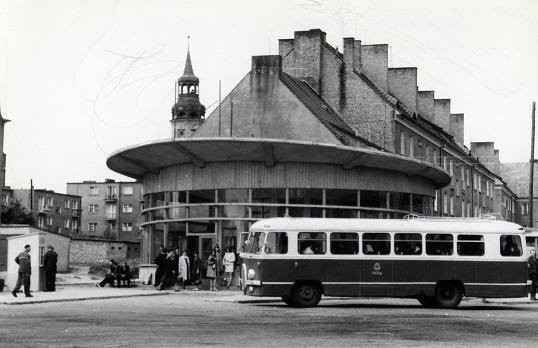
{"x":110,"y":216}
{"x":45,"y":209}
{"x":111,"y":197}
{"x":76,"y":213}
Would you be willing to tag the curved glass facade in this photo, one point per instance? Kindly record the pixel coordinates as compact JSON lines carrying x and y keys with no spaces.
{"x":173,"y":216}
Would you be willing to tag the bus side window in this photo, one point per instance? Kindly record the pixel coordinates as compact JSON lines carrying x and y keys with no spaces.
{"x":344,"y":243}
{"x":439,"y":244}
{"x":408,"y":244}
{"x":310,"y":243}
{"x":277,"y":243}
{"x":511,"y":246}
{"x":376,"y":243}
{"x":470,"y":245}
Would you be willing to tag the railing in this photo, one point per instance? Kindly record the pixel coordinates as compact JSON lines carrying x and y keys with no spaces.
{"x":75,"y":212}
{"x":110,"y":216}
{"x":110,"y":197}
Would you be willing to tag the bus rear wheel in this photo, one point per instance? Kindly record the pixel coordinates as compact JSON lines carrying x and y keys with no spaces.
{"x":306,"y":294}
{"x":448,"y":294}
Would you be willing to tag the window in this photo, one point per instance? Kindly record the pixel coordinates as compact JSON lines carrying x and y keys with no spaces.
{"x":48,"y":221}
{"x":402,"y":143}
{"x":127,"y":226}
{"x":439,"y":244}
{"x":435,"y":156}
{"x":92,"y":226}
{"x":67,"y":223}
{"x":67,"y":204}
{"x":463,"y":209}
{"x":344,"y":243}
{"x":445,"y":162}
{"x":277,"y":243}
{"x":427,"y":153}
{"x":93,"y":208}
{"x":312,"y":243}
{"x":75,"y":205}
{"x":451,"y":167}
{"x":511,"y":246}
{"x":255,"y":242}
{"x":94,"y":190}
{"x":445,"y":203}
{"x":452,"y":203}
{"x":127,"y":190}
{"x":75,"y":224}
{"x":435,"y":201}
{"x":470,"y":245}
{"x":468,"y":177}
{"x":479,"y":183}
{"x":180,"y":132}
{"x":408,"y":244}
{"x":524,"y":208}
{"x":475,"y":185}
{"x":462,"y":175}
{"x":411,"y":146}
{"x":376,"y":243}
{"x":127,"y":208}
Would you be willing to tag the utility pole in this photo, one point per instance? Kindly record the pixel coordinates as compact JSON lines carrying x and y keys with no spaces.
{"x":219,"y":109}
{"x":531,"y":165}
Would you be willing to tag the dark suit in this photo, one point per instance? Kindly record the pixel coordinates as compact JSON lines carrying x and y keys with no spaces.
{"x":25,"y":270}
{"x":49,"y":266}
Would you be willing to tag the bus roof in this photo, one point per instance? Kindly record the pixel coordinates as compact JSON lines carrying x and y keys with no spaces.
{"x":433,"y":225}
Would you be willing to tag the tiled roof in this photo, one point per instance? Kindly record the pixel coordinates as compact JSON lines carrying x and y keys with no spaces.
{"x":330,"y":118}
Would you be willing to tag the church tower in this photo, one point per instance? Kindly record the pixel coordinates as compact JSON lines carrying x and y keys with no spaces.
{"x":188,"y":113}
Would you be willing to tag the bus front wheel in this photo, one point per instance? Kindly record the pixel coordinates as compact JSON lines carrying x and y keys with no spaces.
{"x":306,"y":294}
{"x":448,"y":294}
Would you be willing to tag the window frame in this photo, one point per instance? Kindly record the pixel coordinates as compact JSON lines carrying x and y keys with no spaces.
{"x":345,"y":240}
{"x":300,"y":249}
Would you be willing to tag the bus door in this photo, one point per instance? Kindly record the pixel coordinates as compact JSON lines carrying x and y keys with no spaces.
{"x":312,"y":263}
{"x":343,"y":271}
{"x":376,"y":274}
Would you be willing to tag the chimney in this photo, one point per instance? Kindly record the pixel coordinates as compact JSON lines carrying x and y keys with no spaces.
{"x":426,"y":105}
{"x":402,"y":83}
{"x":456,"y":127}
{"x":262,"y":64}
{"x":352,"y":54}
{"x":441,"y":113}
{"x":375,"y":62}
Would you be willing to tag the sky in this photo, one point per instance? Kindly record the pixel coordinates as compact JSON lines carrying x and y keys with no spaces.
{"x":82,"y":79}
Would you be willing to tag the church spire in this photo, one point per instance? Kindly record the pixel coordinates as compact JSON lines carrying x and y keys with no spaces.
{"x":188,"y":73}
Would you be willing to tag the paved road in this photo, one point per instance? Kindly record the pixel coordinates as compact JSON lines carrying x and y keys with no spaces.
{"x":206,"y":320}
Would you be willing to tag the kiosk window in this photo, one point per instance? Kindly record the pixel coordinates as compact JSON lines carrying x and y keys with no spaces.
{"x":439,"y":244}
{"x":470,"y":245}
{"x":376,"y":243}
{"x":408,"y":244}
{"x":311,"y":243}
{"x":511,"y":246}
{"x":344,"y":243}
{"x":277,"y":243}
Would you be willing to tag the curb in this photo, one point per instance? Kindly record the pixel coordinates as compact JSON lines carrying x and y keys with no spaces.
{"x":82,"y":299}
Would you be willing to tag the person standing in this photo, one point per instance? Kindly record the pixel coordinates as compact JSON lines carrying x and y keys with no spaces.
{"x":49,"y":266}
{"x":160,"y":261}
{"x":533,"y":273}
{"x":196,"y":270}
{"x":218,"y":260}
{"x":25,"y":270}
{"x":170,"y":270}
{"x":212,"y":270}
{"x":184,"y":270}
{"x":229,"y":264}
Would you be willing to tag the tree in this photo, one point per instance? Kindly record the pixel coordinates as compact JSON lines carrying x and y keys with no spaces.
{"x":15,"y":213}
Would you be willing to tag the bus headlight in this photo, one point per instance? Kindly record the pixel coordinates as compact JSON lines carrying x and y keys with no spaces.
{"x":251,"y":274}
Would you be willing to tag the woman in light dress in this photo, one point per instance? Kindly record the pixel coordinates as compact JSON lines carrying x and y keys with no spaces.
{"x":229,"y":262}
{"x":212,"y":271}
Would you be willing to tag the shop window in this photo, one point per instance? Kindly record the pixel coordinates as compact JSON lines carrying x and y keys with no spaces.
{"x":305,"y":197}
{"x":374,"y":199}
{"x":310,"y":243}
{"x":344,"y":243}
{"x":376,"y":243}
{"x":408,"y":244}
{"x":470,"y":245}
{"x":272,"y":196}
{"x":439,"y":244}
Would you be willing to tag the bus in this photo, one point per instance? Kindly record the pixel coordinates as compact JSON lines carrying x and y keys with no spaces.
{"x":434,"y":260}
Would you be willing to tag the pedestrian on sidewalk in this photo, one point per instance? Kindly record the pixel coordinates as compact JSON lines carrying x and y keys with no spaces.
{"x":196,"y":270}
{"x":219,"y":266}
{"x":212,"y":270}
{"x":184,"y":270}
{"x":110,"y":275}
{"x":160,"y":261}
{"x":25,"y":270}
{"x":533,"y":273}
{"x":49,"y":266}
{"x":229,"y":264}
{"x":170,"y":269}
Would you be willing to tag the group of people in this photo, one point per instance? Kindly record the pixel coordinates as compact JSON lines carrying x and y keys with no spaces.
{"x":117,"y":272}
{"x":178,"y":270}
{"x":25,"y":270}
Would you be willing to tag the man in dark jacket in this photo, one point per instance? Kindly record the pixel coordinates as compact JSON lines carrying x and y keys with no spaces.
{"x":25,"y":270}
{"x":110,"y":276}
{"x":49,"y":266}
{"x":533,"y":273}
{"x":124,"y":274}
{"x":160,"y":261}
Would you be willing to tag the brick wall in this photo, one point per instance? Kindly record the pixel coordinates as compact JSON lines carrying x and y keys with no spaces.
{"x":90,"y":252}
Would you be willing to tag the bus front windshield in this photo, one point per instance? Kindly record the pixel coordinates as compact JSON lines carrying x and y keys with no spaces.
{"x":255,"y":242}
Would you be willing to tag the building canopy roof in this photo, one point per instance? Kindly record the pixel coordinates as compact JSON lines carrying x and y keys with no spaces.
{"x":138,"y":160}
